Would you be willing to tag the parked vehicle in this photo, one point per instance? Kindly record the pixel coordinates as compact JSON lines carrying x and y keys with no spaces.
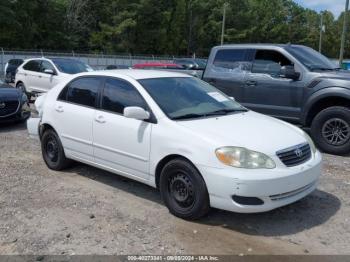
{"x":113,"y":67}
{"x":14,"y":105}
{"x":191,"y":63}
{"x":41,"y":74}
{"x":291,"y":82}
{"x":10,"y":69}
{"x":169,"y":67}
{"x":201,"y":149}
{"x":157,"y":66}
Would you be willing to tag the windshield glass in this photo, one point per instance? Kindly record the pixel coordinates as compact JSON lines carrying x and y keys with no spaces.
{"x":310,"y":58}
{"x":70,"y":66}
{"x":188,"y":97}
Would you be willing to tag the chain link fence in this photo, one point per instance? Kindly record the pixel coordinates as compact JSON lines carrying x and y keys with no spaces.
{"x":96,"y":61}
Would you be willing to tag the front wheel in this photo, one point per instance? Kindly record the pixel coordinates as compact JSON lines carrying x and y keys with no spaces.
{"x":330,"y":130}
{"x":183,"y":190}
{"x":52,"y":151}
{"x":22,"y":87}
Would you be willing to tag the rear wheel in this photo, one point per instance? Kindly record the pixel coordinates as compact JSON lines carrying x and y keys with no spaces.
{"x":330,"y":130}
{"x":183,"y":190}
{"x":53,"y":152}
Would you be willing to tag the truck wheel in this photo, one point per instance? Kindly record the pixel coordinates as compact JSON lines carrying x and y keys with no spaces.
{"x":183,"y":190}
{"x":330,"y":130}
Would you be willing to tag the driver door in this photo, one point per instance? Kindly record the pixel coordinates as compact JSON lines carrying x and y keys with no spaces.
{"x":121,"y":144}
{"x":267,"y":92}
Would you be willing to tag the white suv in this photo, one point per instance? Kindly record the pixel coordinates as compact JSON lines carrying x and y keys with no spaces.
{"x":41,"y":74}
{"x":175,"y":132}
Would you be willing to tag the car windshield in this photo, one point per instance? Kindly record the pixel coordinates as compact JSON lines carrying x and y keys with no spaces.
{"x":70,"y":66}
{"x":310,"y":58}
{"x":189,"y":97}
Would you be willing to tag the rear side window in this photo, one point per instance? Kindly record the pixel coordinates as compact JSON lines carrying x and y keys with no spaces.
{"x":33,"y":65}
{"x":231,"y":58}
{"x":118,"y":94}
{"x":82,"y":91}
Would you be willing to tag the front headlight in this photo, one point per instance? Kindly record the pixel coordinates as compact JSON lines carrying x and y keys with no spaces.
{"x":244,"y":158}
{"x":311,"y":143}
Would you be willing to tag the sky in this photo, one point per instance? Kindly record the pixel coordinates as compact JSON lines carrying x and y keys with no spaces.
{"x":335,"y":6}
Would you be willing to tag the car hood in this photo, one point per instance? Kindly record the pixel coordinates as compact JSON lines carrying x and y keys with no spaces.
{"x":249,"y":129}
{"x":9,"y":93}
{"x":340,"y":74}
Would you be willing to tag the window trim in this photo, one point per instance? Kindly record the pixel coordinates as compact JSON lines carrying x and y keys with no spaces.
{"x":152,"y":118}
{"x":100,"y":78}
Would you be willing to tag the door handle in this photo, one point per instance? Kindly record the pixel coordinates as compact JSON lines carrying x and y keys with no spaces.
{"x":251,"y":83}
{"x":40,"y":76}
{"x":100,"y":119}
{"x":59,"y":109}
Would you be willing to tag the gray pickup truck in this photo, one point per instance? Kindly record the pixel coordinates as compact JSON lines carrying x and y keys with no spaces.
{"x":291,"y":82}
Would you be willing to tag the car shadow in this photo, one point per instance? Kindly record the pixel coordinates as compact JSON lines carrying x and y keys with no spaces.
{"x":311,"y":211}
{"x":12,"y":126}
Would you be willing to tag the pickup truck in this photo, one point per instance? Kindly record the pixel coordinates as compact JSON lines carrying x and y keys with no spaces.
{"x":291,"y":82}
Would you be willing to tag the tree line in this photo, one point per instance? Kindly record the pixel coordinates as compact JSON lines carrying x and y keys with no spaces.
{"x":167,"y":27}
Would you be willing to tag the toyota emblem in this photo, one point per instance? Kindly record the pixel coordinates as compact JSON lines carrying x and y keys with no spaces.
{"x":298,"y":152}
{"x":2,"y":105}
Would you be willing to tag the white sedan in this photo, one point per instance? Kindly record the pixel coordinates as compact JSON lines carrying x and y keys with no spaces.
{"x":179,"y":134}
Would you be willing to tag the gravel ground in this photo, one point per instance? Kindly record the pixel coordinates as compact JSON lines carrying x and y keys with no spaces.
{"x":88,"y":211}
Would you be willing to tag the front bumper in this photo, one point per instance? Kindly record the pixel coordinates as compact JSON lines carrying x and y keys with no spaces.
{"x":22,"y":114}
{"x":275,"y":187}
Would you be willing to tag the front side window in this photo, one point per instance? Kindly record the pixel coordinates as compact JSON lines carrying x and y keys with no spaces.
{"x":33,"y":65}
{"x":82,"y":91}
{"x":231,"y":59}
{"x":188,"y":97}
{"x":46,"y":65}
{"x":269,"y":62}
{"x":118,"y":94}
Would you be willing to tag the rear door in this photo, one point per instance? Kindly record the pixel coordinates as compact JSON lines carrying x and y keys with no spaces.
{"x":31,"y":71}
{"x":73,"y":116}
{"x":227,"y":69}
{"x":267,"y":92}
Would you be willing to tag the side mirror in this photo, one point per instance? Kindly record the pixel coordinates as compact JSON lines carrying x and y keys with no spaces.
{"x":49,"y":72}
{"x":136,"y":112}
{"x":289,"y":72}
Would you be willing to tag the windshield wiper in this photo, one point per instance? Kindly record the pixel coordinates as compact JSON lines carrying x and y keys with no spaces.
{"x":187,"y":116}
{"x":226,"y":111}
{"x":214,"y":113}
{"x":324,"y":68}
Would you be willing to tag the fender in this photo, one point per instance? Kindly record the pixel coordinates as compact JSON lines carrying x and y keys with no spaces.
{"x":327,"y":92}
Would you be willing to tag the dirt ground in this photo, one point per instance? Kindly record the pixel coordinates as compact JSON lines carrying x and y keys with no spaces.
{"x":88,"y":211}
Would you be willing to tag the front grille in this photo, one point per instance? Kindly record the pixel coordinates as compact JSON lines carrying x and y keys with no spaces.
{"x":291,"y":193}
{"x":295,"y":155}
{"x":8,"y":108}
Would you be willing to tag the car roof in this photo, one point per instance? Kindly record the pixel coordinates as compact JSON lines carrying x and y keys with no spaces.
{"x":255,"y":45}
{"x":136,"y":74}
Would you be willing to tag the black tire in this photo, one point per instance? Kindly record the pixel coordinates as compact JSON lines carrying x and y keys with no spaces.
{"x":8,"y":78}
{"x":52,"y":151}
{"x":21,"y":86}
{"x":330,"y":130}
{"x":183,"y":190}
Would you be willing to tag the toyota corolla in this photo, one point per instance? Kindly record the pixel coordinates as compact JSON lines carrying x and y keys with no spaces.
{"x":179,"y":134}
